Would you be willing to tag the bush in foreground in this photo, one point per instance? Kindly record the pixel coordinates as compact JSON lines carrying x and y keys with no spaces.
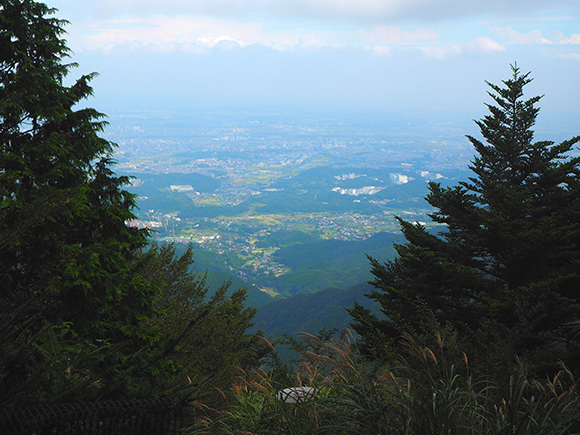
{"x":428,"y":391}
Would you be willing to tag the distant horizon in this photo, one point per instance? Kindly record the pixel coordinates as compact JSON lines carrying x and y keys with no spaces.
{"x":432,"y":56}
{"x":554,"y":126}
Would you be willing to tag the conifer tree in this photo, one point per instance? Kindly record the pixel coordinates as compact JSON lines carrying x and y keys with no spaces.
{"x":67,"y":257}
{"x":509,"y":255}
{"x":89,"y":309}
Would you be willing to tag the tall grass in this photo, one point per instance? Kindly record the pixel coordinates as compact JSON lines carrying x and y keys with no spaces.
{"x":430,"y":390}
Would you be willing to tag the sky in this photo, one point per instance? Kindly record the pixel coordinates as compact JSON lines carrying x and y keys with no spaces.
{"x":354,"y":55}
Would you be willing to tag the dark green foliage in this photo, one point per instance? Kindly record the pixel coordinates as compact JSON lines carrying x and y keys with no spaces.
{"x":66,"y":255}
{"x":87,"y":311}
{"x":328,"y":263}
{"x":216,"y":269}
{"x":254,"y":297}
{"x":509,"y":257}
{"x":202,"y":339}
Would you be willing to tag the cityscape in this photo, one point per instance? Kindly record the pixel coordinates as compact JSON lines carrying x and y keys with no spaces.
{"x":232,"y":187}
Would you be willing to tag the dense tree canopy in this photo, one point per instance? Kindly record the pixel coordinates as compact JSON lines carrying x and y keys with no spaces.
{"x":508,"y":257}
{"x":66,"y":254}
{"x":87,"y":310}
{"x":63,"y":210}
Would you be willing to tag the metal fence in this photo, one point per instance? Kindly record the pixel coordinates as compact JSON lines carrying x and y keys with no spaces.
{"x":131,"y":417}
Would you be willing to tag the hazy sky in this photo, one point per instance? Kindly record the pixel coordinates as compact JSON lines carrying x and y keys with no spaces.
{"x":356,"y":54}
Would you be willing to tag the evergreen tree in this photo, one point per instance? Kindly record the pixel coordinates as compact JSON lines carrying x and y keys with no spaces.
{"x":67,"y":257}
{"x":509,"y":256}
{"x":204,"y":339}
{"x":88,"y":309}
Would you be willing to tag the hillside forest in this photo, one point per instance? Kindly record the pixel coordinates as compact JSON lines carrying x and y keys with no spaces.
{"x":473,"y":327}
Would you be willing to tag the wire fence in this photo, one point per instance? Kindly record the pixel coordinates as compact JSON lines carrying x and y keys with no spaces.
{"x":131,"y":417}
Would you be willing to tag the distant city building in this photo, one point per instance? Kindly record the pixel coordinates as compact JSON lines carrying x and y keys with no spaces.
{"x":367,"y":190}
{"x":136,"y":223}
{"x":430,"y":175}
{"x":399,"y":178}
{"x":181,"y":188}
{"x":349,"y":176}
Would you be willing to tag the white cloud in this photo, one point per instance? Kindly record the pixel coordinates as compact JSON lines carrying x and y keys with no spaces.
{"x":224,"y":42}
{"x":409,"y":10}
{"x":573,"y":39}
{"x":442,"y":52}
{"x":381,"y":50}
{"x":198,"y":26}
{"x":165,"y":34}
{"x":514,"y":37}
{"x":484,"y":45}
{"x":198,"y":34}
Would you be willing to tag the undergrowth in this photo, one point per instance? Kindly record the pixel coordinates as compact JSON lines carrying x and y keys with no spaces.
{"x":429,"y":390}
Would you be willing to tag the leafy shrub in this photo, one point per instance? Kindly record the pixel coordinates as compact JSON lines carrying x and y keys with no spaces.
{"x":430,"y":390}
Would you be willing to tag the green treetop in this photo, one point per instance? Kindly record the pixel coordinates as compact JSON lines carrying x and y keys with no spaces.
{"x":66,"y":253}
{"x":510,"y":249}
{"x":63,"y":211}
{"x":88,"y":309}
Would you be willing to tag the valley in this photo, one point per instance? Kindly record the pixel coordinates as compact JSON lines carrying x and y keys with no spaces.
{"x":287,"y":205}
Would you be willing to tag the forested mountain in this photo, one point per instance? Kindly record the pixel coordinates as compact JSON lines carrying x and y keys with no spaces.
{"x":323,"y":264}
{"x":314,"y":264}
{"x":311,"y":312}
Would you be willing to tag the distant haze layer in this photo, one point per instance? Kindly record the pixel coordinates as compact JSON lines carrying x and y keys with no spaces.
{"x":330,"y":54}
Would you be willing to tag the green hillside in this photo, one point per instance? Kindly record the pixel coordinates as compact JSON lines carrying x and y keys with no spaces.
{"x":311,"y":312}
{"x":254,"y":297}
{"x":329,"y":263}
{"x":217,"y":274}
